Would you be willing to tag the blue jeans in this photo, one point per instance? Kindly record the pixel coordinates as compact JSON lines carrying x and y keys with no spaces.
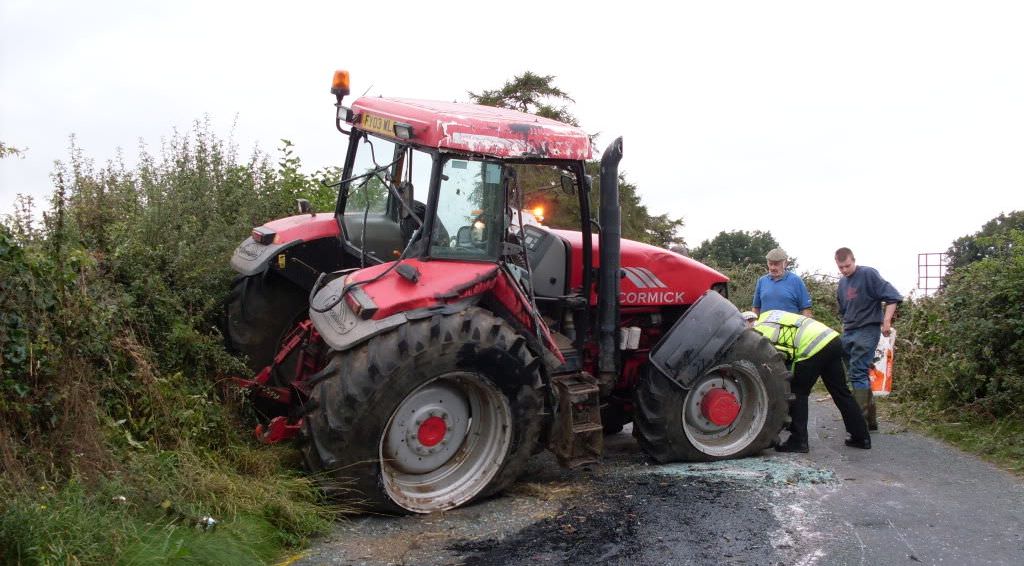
{"x":859,"y":350}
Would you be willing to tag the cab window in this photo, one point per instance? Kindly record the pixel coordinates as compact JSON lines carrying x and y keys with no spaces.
{"x":470,"y":209}
{"x":370,"y":191}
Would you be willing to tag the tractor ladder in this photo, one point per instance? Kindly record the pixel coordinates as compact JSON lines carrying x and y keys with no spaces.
{"x":578,"y":437}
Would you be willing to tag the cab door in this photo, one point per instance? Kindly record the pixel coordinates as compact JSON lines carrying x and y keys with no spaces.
{"x":375,"y":224}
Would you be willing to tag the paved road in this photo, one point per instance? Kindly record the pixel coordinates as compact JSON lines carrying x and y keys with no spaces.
{"x":909,"y":500}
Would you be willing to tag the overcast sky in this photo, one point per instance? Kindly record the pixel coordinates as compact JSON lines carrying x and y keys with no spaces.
{"x":888,"y":127}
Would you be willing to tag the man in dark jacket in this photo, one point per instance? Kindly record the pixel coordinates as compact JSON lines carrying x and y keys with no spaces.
{"x":867,"y":304}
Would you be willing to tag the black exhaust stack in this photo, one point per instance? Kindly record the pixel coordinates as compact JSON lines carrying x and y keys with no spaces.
{"x":608,"y":276}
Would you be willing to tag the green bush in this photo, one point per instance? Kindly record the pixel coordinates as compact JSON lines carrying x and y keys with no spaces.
{"x":742,"y":280}
{"x":968,"y":341}
{"x":111,"y":363}
{"x":825,"y":305}
{"x":922,"y":372}
{"x":960,"y":355}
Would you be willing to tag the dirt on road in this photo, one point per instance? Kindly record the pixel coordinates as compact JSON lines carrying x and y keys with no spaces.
{"x":625,"y":511}
{"x":909,"y":500}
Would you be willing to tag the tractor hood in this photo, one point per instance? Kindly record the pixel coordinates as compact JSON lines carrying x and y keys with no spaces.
{"x":651,"y":276}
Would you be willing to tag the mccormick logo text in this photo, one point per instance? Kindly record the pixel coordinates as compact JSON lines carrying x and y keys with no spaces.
{"x":652,"y":297}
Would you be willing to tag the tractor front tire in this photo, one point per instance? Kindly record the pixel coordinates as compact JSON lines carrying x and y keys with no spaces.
{"x":673,"y":425}
{"x":260,"y":311}
{"x":430,"y":416}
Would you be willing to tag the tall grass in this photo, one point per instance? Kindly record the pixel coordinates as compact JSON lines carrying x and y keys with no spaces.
{"x":153,"y":512}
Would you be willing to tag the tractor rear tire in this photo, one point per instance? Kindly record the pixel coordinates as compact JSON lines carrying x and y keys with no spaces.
{"x":433,"y":415}
{"x":670,"y":426}
{"x":260,"y":311}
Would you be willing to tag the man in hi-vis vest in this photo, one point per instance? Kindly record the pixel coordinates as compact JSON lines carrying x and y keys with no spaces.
{"x":813,"y":350}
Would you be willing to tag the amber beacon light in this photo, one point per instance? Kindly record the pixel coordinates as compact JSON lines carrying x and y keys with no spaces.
{"x":339,"y":86}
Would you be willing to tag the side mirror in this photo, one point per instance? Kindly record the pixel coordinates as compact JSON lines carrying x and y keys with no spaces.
{"x":305,"y":207}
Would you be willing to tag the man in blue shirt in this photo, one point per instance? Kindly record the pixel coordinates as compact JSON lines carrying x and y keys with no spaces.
{"x":861,"y":294}
{"x":781,"y":290}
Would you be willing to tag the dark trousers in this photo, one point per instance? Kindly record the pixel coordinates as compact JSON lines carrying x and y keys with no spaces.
{"x":828,"y":363}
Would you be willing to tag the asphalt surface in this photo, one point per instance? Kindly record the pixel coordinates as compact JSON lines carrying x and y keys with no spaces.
{"x":909,"y":500}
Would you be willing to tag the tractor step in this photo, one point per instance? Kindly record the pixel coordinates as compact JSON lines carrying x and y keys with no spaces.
{"x":578,"y":438}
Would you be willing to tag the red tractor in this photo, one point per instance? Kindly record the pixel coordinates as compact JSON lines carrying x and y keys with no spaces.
{"x":424,"y":340}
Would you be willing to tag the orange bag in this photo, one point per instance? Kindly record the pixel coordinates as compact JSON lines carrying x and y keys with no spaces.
{"x":880,"y":371}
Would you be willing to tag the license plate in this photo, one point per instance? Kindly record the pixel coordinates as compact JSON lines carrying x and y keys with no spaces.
{"x":378,"y":124}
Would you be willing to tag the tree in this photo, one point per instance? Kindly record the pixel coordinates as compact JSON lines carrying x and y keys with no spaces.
{"x":529,"y":93}
{"x":737,"y":248}
{"x":969,"y":249}
{"x":8,"y":151}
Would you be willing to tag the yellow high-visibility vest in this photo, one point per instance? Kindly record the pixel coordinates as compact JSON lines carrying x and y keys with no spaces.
{"x":796,"y":336}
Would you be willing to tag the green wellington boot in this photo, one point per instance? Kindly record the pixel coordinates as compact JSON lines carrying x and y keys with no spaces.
{"x":866,"y":401}
{"x":872,"y":417}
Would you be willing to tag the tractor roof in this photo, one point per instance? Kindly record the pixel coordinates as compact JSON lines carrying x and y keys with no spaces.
{"x":497,"y":132}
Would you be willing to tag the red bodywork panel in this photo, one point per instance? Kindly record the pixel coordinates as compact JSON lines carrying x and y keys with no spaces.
{"x":443,"y":282}
{"x":469,"y":127}
{"x":394,"y":294}
{"x":653,"y":276}
{"x":305,"y":227}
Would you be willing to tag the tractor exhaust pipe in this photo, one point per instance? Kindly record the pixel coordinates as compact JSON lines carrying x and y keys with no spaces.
{"x":609,"y":217}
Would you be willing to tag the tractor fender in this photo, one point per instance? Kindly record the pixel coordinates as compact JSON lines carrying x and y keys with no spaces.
{"x":386,"y":300}
{"x":289,"y":234}
{"x":698,"y":340}
{"x":253,"y":258}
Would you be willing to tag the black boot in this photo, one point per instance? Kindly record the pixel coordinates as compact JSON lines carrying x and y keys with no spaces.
{"x":797,"y":441}
{"x":864,"y":443}
{"x":793,"y":445}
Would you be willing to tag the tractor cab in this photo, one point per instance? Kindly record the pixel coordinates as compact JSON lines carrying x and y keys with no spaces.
{"x":427,"y":181}
{"x":444,"y":179}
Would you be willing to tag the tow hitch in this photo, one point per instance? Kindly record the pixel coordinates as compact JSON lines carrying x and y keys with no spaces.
{"x":302,"y":341}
